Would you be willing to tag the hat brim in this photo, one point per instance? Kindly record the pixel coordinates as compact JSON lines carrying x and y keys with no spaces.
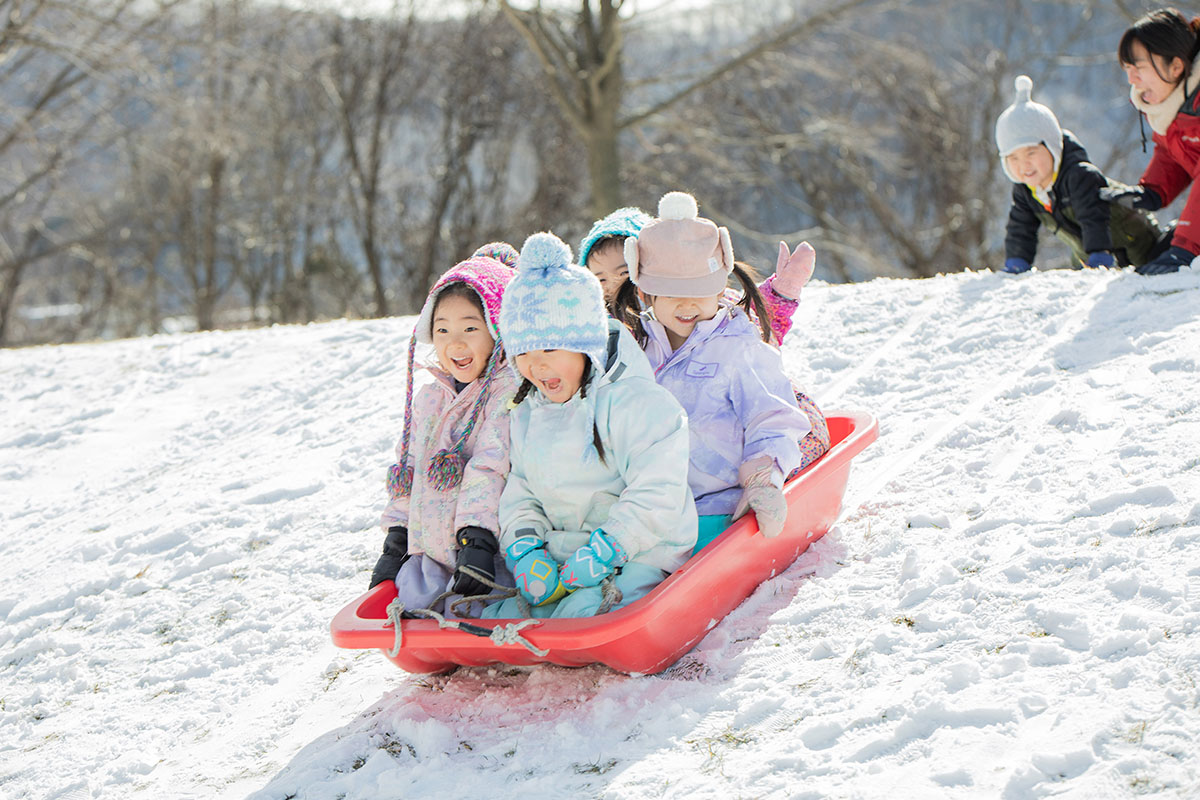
{"x":709,"y":285}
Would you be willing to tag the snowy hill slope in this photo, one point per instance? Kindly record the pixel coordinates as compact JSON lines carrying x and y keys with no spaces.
{"x":1009,"y":607}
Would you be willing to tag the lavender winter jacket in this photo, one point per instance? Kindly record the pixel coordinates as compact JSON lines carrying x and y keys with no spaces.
{"x":559,"y":488}
{"x":433,"y":518}
{"x":739,"y":403}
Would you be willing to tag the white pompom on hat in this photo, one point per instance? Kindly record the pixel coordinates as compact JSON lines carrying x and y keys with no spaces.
{"x":1026,"y":122}
{"x":680,"y":254}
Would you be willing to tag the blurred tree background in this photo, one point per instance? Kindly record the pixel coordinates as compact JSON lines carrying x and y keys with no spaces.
{"x":194,"y":164}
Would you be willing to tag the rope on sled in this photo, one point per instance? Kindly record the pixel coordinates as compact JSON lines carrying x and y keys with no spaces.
{"x":610,"y":595}
{"x":509,"y":633}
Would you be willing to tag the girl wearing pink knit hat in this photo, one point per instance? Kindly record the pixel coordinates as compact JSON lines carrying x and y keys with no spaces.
{"x":452,"y":457}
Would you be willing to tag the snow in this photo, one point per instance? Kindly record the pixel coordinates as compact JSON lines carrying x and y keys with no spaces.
{"x":1009,"y":606}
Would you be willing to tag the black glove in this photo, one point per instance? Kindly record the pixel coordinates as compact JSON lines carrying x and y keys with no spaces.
{"x":1138,"y":197}
{"x":1171,"y":261}
{"x":395,"y":553}
{"x":476,"y":549}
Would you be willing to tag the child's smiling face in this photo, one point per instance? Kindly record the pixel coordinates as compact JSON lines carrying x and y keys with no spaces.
{"x":1152,"y":75}
{"x":679,"y":315}
{"x":1032,"y":164}
{"x":557,"y":374}
{"x":607,"y":262}
{"x":461,"y":337}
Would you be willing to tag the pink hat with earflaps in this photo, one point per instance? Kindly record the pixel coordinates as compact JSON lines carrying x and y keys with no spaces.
{"x":680,"y":254}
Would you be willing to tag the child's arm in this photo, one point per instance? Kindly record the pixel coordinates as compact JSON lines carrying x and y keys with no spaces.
{"x":765,"y":405}
{"x":779,"y":310}
{"x":1083,"y":184}
{"x":648,"y":438}
{"x":520,"y":511}
{"x":1165,"y":176}
{"x":1020,"y":240}
{"x":485,"y":471}
{"x":781,"y":291}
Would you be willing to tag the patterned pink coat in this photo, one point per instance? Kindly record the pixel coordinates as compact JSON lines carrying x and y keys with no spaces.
{"x":434,"y":517}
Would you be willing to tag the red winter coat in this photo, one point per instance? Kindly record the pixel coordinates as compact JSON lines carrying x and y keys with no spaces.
{"x":1174,"y":165}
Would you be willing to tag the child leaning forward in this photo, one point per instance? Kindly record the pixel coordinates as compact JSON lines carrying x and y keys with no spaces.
{"x":596,"y":511}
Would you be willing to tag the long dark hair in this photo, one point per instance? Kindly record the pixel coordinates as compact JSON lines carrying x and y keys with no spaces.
{"x":627,"y":310}
{"x":527,"y":386}
{"x":1165,"y":33}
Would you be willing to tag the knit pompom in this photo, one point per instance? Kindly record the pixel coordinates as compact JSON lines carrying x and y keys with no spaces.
{"x":544,"y":251}
{"x":399,"y":481}
{"x":677,"y":205}
{"x":446,"y":469}
{"x":503,"y":252}
{"x":1024,"y":86}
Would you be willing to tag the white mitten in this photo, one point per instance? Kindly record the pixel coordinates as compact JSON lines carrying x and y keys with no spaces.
{"x":760,"y":494}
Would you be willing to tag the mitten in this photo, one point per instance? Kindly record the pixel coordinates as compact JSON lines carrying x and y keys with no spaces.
{"x":534,"y":571}
{"x":476,"y":549}
{"x":1171,"y":261}
{"x":1139,"y":197}
{"x":395,"y":553}
{"x":760,"y":494}
{"x":792,"y":270}
{"x":1101,"y":258}
{"x":593,"y":562}
{"x":1015,"y":266}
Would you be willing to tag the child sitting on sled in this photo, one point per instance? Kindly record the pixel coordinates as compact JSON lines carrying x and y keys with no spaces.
{"x":602,"y":251}
{"x":1055,"y":185}
{"x":749,"y":428}
{"x":452,"y":458}
{"x":596,"y":511}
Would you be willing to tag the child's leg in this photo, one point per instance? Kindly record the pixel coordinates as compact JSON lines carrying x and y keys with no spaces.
{"x":421,"y":580}
{"x":816,"y":442}
{"x":711,"y":526}
{"x":635,"y":582}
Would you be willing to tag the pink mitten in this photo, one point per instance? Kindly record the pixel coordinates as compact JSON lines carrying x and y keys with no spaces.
{"x":793,"y":269}
{"x":760,"y":494}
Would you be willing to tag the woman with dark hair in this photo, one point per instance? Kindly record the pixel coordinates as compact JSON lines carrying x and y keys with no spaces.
{"x":1158,"y":53}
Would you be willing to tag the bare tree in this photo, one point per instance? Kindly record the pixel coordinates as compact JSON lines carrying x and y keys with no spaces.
{"x":583,"y":57}
{"x":66,"y":69}
{"x":374,"y":70}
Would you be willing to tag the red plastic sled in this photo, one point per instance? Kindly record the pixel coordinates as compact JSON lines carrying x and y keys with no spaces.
{"x":648,"y":635}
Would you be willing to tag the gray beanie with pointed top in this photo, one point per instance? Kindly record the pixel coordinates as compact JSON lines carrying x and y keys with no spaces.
{"x":1026,"y":122}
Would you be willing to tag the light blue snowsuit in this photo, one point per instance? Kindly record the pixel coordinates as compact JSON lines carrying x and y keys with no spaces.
{"x":560,"y":489}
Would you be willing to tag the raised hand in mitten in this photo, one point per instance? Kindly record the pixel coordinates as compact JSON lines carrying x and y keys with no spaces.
{"x":760,"y":494}
{"x":793,"y":269}
{"x":477,"y":549}
{"x":593,"y":562}
{"x":395,"y":553}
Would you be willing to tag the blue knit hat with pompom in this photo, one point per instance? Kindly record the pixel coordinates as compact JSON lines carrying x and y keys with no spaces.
{"x":623,"y":223}
{"x":553,"y":304}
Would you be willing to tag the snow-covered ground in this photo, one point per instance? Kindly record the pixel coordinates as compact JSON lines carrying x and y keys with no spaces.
{"x":1008,"y":608}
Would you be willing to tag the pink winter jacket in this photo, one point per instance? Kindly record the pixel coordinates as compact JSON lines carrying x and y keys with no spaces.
{"x":434,"y":518}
